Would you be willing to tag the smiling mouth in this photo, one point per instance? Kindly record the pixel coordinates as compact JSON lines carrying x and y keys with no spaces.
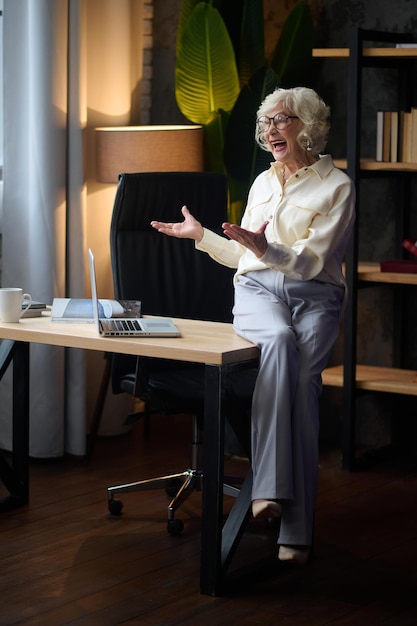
{"x":278,"y":144}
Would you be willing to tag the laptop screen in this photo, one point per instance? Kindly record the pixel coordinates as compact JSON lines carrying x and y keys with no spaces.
{"x":93,"y":288}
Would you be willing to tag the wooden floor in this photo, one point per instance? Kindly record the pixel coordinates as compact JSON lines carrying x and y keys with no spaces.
{"x":64,"y":560}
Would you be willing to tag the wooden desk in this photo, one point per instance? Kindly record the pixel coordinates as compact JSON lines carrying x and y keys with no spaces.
{"x":212,"y":343}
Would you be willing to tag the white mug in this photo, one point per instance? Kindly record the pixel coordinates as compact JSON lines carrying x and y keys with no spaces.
{"x":11,"y":301}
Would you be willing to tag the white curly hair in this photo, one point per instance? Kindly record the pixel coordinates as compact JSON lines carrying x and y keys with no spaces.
{"x":307,"y":105}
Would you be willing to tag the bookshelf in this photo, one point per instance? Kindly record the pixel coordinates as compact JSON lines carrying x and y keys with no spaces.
{"x":371,"y":273}
{"x":367,"y":53}
{"x":351,"y":376}
{"x":370,"y":378}
{"x":371,"y":165}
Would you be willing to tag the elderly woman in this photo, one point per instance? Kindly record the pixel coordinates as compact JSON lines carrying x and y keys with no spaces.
{"x":289,"y":293}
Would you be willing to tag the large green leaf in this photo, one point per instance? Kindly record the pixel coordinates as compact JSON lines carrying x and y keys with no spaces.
{"x":252,"y":40}
{"x":245,"y":22}
{"x":214,"y":141}
{"x":206,"y":77}
{"x":291,"y":59}
{"x":187,"y":7}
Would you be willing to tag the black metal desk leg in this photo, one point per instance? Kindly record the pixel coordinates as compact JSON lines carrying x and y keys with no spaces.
{"x":21,"y":419}
{"x":16,"y":477}
{"x":213,"y":468}
{"x":236,"y":522}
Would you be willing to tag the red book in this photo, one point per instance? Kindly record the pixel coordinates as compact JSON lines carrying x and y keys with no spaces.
{"x":399,"y":265}
{"x":410,"y":245}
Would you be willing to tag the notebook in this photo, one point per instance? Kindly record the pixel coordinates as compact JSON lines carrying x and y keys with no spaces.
{"x":128,"y":327}
{"x":81,"y":309}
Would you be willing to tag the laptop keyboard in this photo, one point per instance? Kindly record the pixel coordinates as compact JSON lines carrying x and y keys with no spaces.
{"x":121,"y":325}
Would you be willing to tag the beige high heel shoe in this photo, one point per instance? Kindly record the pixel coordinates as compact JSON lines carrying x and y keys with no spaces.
{"x":266,"y":508}
{"x":294,"y":554}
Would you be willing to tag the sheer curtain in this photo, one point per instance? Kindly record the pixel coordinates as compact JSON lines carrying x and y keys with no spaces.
{"x":54,"y":62}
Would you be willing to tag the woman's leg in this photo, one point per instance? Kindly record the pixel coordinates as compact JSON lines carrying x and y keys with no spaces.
{"x":315,"y":309}
{"x":264,"y":318}
{"x":295,"y":324}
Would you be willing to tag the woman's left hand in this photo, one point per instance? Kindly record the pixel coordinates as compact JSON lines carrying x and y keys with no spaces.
{"x":254,"y":241}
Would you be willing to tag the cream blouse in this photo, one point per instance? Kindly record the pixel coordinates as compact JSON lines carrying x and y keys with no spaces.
{"x":310,"y":219}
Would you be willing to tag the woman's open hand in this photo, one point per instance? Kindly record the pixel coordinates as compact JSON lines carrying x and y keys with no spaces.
{"x":190,"y":228}
{"x":254,"y":241}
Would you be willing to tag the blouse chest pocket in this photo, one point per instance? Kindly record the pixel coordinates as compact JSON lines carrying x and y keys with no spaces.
{"x":265,"y":208}
{"x":297,"y":215}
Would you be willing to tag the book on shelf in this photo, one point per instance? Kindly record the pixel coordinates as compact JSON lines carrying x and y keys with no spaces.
{"x":413,"y":136}
{"x":396,"y":136}
{"x":386,"y":146}
{"x":407,"y":266}
{"x":81,"y":309}
{"x":405,"y":136}
{"x":379,"y":135}
{"x":399,"y":266}
{"x":383,"y":135}
{"x":410,"y":245}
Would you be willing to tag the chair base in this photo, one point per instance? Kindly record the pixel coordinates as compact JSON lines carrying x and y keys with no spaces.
{"x":190,"y":479}
{"x":180,"y":485}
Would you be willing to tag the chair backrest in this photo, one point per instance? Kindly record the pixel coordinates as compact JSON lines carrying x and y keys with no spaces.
{"x":168,"y":275}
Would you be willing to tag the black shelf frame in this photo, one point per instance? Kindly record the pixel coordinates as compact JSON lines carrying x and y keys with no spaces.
{"x":357,"y":61}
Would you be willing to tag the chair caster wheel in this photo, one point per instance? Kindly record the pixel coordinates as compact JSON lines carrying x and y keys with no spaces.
{"x":175,"y":527}
{"x":172,"y":487}
{"x":115,"y":507}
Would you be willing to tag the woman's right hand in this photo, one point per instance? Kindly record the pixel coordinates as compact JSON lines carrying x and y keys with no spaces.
{"x":190,"y":228}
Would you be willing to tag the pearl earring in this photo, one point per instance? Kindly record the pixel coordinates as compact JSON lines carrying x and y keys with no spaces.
{"x":308,"y":146}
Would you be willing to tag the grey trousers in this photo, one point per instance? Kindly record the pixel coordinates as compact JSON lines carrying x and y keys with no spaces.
{"x":295,"y":324}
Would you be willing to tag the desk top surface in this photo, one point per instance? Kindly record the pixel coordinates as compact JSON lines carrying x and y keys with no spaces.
{"x":215,"y":343}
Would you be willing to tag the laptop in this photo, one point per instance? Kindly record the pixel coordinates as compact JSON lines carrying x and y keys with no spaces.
{"x":127,"y":327}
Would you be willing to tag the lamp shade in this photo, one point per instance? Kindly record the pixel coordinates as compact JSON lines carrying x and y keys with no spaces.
{"x":130,"y":149}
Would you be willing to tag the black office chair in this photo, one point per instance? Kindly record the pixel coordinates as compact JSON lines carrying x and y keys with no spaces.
{"x":172,"y":279}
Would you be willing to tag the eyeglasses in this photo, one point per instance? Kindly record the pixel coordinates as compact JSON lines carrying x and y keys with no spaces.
{"x":279,"y":121}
